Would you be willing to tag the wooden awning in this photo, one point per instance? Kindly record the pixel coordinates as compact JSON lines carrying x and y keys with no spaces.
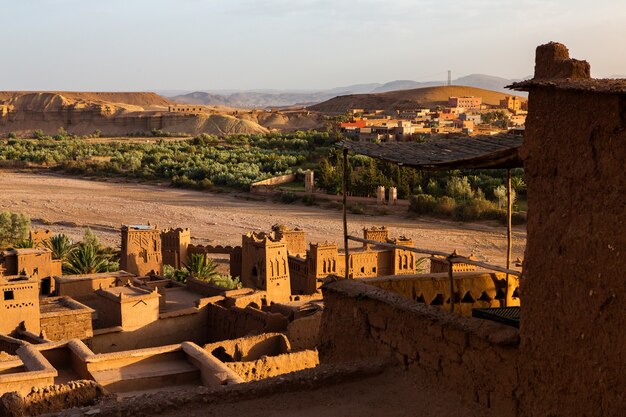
{"x":475,"y":152}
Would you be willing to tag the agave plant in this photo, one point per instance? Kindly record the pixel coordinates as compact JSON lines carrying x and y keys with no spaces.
{"x":61,"y":246}
{"x":202,"y":268}
{"x":25,"y":244}
{"x":85,"y":259}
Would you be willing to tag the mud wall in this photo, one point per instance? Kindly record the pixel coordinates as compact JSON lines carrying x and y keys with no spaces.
{"x":183,"y":325}
{"x":472,"y":289}
{"x":50,"y":399}
{"x":574,"y":290}
{"x":269,"y":366}
{"x":478,"y":359}
{"x":231,"y":323}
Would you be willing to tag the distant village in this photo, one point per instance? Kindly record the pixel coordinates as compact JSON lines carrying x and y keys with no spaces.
{"x":466,"y":115}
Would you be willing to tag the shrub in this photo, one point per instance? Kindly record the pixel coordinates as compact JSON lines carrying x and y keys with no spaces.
{"x":288,"y":197}
{"x":310,"y":200}
{"x":13,"y":228}
{"x":445,"y":206}
{"x":423,"y":204}
{"x":476,"y":209}
{"x":356,"y":208}
{"x":12,"y":135}
{"x":459,"y":188}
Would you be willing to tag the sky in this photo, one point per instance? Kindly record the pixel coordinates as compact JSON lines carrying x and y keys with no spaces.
{"x":146,"y":45}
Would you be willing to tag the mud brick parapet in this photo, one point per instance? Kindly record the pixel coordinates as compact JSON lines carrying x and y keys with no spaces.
{"x":475,"y":358}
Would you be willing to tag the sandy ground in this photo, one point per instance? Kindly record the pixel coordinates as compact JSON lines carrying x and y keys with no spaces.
{"x":68,"y":205}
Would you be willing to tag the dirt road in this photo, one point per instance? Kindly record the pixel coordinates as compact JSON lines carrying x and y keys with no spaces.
{"x":68,"y":205}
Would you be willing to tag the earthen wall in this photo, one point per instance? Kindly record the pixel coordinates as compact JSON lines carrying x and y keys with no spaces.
{"x":478,"y":359}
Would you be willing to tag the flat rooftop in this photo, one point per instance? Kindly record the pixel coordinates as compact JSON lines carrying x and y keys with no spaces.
{"x":61,"y":305}
{"x":128,"y":291}
{"x":114,"y":274}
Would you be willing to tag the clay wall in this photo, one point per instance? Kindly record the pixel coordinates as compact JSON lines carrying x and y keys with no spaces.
{"x":303,"y":333}
{"x":477,"y":359}
{"x":37,"y":371}
{"x":572,"y":332}
{"x":294,"y":238}
{"x":270,"y":366}
{"x":471,"y":289}
{"x":231,"y":323}
{"x":83,"y":286}
{"x":19,"y":303}
{"x":174,"y":244}
{"x":141,"y":250}
{"x":298,"y":275}
{"x":186,"y":325}
{"x":74,"y":321}
{"x":50,"y":399}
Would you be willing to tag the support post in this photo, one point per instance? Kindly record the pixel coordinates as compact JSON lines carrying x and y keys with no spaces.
{"x":344,"y":189}
{"x":509,"y":243}
{"x":451,"y":277}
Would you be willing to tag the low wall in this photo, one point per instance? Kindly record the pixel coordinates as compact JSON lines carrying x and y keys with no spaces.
{"x":50,"y":399}
{"x":37,"y":372}
{"x":270,"y":366}
{"x":190,"y":324}
{"x":231,"y":323}
{"x":477,"y":359}
{"x":270,"y":182}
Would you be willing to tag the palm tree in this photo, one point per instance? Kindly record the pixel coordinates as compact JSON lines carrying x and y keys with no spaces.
{"x":202,"y":268}
{"x":85,"y":259}
{"x":61,"y":246}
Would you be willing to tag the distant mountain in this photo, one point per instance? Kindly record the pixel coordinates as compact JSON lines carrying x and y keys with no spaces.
{"x":277,"y":98}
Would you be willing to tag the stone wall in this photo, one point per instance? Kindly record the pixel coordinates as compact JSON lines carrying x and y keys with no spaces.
{"x":573,"y":344}
{"x":477,"y":359}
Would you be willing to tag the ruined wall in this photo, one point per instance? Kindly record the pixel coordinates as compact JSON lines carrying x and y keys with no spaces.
{"x":478,"y":359}
{"x":269,"y":366}
{"x":50,"y":399}
{"x":231,"y":323}
{"x":572,"y":332}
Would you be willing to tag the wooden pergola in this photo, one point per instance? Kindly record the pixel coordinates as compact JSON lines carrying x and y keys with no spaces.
{"x":477,"y":152}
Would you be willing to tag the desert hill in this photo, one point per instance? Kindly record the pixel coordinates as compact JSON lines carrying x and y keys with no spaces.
{"x":141,"y":99}
{"x":120,"y":114}
{"x":426,"y":97}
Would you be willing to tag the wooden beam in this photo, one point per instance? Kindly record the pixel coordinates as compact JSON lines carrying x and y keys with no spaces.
{"x":344,"y":190}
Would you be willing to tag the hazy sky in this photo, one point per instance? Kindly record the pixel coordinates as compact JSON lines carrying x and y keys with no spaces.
{"x":292,"y":44}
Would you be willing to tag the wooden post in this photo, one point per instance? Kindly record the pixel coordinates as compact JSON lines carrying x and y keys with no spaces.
{"x":344,"y":186}
{"x":451,"y":277}
{"x":509,"y":243}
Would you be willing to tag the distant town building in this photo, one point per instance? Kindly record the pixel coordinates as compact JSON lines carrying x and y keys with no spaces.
{"x":468,"y":102}
{"x":513,"y":103}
